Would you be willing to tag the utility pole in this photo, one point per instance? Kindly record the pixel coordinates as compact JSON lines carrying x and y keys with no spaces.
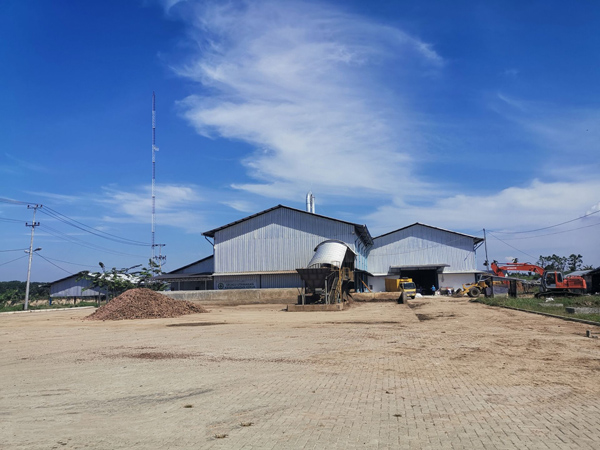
{"x":32,"y":225}
{"x":160,"y":258}
{"x":487,"y":261}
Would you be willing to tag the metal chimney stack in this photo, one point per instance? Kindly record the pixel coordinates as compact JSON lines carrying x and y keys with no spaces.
{"x":310,"y":202}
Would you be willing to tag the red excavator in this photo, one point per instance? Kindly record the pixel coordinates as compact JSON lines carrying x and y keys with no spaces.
{"x":552,"y":282}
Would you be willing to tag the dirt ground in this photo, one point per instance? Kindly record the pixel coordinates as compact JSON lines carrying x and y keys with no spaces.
{"x":437,"y":373}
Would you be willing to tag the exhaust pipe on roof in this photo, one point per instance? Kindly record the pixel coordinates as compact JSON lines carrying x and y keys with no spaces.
{"x":310,"y":202}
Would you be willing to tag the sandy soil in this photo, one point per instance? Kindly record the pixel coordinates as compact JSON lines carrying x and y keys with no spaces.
{"x":436,"y":373}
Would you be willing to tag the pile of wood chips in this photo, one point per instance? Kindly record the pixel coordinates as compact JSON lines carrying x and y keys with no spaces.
{"x":144,"y":304}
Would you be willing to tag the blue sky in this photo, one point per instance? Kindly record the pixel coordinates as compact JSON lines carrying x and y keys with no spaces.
{"x":463,"y":115}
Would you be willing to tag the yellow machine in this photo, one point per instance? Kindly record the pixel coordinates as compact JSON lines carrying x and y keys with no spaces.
{"x":402,"y":285}
{"x":473,"y":290}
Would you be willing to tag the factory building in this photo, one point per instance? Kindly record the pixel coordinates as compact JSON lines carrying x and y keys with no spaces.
{"x":429,"y":255}
{"x":264,"y":250}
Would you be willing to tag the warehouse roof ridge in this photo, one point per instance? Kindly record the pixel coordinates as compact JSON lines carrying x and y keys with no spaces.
{"x":361,"y":230}
{"x":476,"y":239}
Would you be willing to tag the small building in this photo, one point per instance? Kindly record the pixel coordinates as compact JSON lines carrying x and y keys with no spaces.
{"x":591,"y":277}
{"x":197,"y":276}
{"x":76,"y":287}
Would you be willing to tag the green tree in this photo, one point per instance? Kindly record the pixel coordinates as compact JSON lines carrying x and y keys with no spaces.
{"x":12,"y":292}
{"x":575,"y":262}
{"x":116,"y":281}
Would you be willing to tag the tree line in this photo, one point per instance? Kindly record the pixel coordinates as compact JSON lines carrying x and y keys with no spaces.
{"x":569,"y":263}
{"x":12,"y":292}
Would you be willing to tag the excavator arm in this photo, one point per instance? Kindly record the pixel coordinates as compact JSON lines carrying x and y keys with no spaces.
{"x":500,"y":270}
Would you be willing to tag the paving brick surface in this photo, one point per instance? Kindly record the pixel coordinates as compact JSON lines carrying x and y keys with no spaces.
{"x":435,"y":374}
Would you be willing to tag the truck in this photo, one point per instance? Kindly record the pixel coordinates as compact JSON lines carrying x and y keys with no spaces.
{"x":405,"y":286}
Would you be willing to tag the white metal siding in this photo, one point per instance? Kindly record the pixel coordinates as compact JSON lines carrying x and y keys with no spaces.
{"x":71,"y":287}
{"x":456,"y":280}
{"x":420,"y":245}
{"x":206,"y":265}
{"x":260,"y":281}
{"x":280,"y":239}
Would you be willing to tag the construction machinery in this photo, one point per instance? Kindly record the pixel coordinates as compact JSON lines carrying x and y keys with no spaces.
{"x":551,"y":282}
{"x":473,"y":290}
{"x":405,"y":286}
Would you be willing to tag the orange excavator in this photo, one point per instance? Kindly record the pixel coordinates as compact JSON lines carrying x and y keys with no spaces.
{"x":552,"y":282}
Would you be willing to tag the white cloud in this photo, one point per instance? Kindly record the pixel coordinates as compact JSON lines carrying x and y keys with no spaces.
{"x":175,"y":206}
{"x":565,"y":137}
{"x":241,"y":205}
{"x":538,"y":205}
{"x":302,"y":83}
{"x":515,"y":208}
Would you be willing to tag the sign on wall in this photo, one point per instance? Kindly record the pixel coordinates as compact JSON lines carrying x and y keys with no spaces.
{"x":236,"y":285}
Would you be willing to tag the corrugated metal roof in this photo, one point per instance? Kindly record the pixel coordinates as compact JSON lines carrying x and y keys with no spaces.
{"x":70,"y":276}
{"x":476,"y":239}
{"x":191,"y":264}
{"x":183,"y":276}
{"x":361,"y":230}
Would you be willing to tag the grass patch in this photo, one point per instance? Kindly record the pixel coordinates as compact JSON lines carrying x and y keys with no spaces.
{"x":535,"y":304}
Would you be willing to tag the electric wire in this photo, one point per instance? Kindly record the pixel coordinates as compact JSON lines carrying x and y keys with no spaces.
{"x":551,"y":226}
{"x":551,"y":234}
{"x":83,"y":227}
{"x":59,"y":234}
{"x":6,"y":219}
{"x":13,"y":202}
{"x":55,"y":265}
{"x":8,"y":262}
{"x":514,"y":248}
{"x":71,"y":263}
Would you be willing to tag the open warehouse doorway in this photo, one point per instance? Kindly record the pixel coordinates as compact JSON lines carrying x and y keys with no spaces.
{"x":424,"y":276}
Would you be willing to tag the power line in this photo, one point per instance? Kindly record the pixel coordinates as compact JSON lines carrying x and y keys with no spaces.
{"x":552,"y":234}
{"x":13,"y":202}
{"x":514,"y":248}
{"x":88,"y":229}
{"x":55,"y":265}
{"x":6,"y":219}
{"x":59,"y":234}
{"x":71,"y":263}
{"x":8,"y":262}
{"x":551,"y":226}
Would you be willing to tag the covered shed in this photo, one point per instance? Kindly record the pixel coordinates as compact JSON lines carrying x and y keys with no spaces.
{"x":197,"y":276}
{"x":76,"y":287}
{"x":591,"y":277}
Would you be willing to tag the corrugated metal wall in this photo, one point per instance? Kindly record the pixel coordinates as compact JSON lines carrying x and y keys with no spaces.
{"x":280,"y":239}
{"x":71,"y":287}
{"x":206,"y":265}
{"x":420,"y":245}
{"x":263,"y":281}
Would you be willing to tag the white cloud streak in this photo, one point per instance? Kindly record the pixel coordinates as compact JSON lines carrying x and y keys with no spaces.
{"x":175,"y":206}
{"x":301,"y":82}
